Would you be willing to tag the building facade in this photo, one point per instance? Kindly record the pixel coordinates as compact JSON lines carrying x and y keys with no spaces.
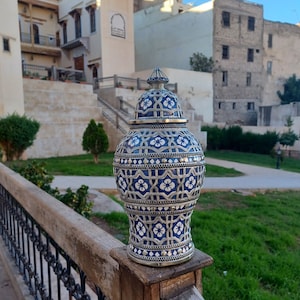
{"x":247,"y":72}
{"x":92,"y":37}
{"x":238,"y":61}
{"x":39,"y":33}
{"x":97,"y":37}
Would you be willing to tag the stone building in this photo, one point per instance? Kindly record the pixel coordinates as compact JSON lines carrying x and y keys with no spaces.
{"x":280,"y":61}
{"x":238,"y":57}
{"x":247,"y":71}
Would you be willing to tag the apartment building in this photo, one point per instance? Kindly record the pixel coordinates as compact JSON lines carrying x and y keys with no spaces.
{"x":250,"y":54}
{"x":238,"y":61}
{"x":39,"y":32}
{"x":91,"y":36}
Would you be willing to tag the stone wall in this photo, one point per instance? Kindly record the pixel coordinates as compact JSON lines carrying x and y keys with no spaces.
{"x":64,"y":111}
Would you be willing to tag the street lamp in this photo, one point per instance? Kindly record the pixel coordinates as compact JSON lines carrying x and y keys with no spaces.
{"x":278,"y":158}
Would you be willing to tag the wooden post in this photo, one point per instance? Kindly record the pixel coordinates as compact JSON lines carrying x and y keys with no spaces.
{"x":139,"y":282}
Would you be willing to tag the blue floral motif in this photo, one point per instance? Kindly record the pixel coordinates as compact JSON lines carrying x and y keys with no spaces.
{"x":167,"y":185}
{"x":122,"y":183}
{"x":182,"y":141}
{"x":169,"y":103}
{"x":141,"y":185}
{"x":157,"y":142}
{"x":178,"y":228}
{"x":146,"y":103}
{"x":159,"y":230}
{"x":140,"y":229}
{"x":190,"y":183}
{"x":134,"y":141}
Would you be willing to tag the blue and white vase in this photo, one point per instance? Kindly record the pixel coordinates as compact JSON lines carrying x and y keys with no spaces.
{"x":159,"y":169}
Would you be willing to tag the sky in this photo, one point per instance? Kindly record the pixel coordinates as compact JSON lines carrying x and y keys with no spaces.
{"x":286,"y":11}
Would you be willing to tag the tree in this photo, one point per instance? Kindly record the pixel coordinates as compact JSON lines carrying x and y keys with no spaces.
{"x":289,"y":137}
{"x":291,"y":91}
{"x":95,"y":140}
{"x":17,"y":133}
{"x":199,"y":62}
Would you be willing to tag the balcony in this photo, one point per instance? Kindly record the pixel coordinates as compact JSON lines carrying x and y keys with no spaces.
{"x":81,"y":41}
{"x":40,"y":44}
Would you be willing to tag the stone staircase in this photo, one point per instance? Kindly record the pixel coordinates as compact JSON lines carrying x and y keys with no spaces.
{"x":118,"y":109}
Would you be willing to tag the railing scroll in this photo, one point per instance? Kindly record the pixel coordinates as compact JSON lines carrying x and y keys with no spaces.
{"x":55,"y":250}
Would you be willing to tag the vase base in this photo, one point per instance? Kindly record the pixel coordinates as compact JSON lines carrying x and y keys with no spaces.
{"x":165,"y":261}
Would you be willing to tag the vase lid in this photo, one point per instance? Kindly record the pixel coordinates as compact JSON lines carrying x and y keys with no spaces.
{"x":158,"y":105}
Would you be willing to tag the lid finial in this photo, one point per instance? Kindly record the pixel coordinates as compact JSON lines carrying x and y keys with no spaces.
{"x":157,"y":76}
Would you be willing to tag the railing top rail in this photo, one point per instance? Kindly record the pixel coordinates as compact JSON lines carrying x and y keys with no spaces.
{"x":87,"y":244}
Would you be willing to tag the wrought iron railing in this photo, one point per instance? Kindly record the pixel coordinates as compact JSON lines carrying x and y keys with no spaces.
{"x":47,"y":269}
{"x":49,"y":41}
{"x":56,"y":265}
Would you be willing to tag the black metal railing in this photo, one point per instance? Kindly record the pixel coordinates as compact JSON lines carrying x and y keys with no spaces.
{"x":49,"y":41}
{"x":47,"y":269}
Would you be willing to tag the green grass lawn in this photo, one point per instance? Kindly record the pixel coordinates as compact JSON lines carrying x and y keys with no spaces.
{"x":83,"y":165}
{"x":254,"y":241}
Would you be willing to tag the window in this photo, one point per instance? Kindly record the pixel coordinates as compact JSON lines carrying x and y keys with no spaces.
{"x":225,"y":78}
{"x":225,"y":52}
{"x":77,"y":25}
{"x":220,"y":105}
{"x":6,"y":45}
{"x":92,"y":19}
{"x":248,"y":79}
{"x":250,"y":56}
{"x":233,"y":105}
{"x":250,"y":106}
{"x":270,"y":40}
{"x":65,"y":36}
{"x":36,"y":34}
{"x":251,"y":23}
{"x":269,"y":67}
{"x":226,"y":19}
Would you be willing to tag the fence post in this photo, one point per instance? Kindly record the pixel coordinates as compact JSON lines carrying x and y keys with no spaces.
{"x":53,"y":73}
{"x":138,"y":83}
{"x":115,"y":80}
{"x":139,"y":282}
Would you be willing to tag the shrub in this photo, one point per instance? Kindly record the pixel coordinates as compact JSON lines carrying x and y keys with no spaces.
{"x":95,"y":140}
{"x":214,"y":137}
{"x":37,"y":174}
{"x":233,"y":138}
{"x":17,"y":133}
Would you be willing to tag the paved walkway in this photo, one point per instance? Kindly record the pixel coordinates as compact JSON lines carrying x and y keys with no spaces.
{"x":254,"y":178}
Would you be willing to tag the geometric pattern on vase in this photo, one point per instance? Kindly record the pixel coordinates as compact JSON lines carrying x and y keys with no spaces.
{"x":159,"y":169}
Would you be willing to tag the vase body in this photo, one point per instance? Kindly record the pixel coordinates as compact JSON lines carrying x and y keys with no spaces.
{"x":159,"y":170}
